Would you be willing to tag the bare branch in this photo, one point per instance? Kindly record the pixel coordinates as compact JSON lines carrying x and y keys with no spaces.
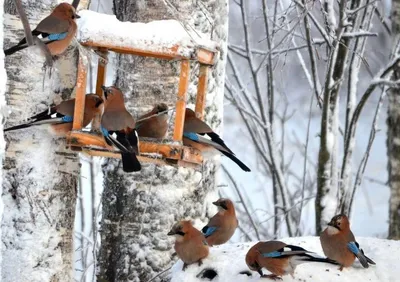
{"x":25,"y":23}
{"x":75,"y":3}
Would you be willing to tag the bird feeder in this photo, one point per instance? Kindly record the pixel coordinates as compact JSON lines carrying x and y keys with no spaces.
{"x":93,"y":144}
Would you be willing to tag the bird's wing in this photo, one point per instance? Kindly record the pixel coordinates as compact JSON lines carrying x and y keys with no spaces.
{"x":52,"y":25}
{"x":196,"y":125}
{"x":208,"y":230}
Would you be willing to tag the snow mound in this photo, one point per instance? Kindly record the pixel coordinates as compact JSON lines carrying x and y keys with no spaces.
{"x":228,"y":263}
{"x":155,"y":36}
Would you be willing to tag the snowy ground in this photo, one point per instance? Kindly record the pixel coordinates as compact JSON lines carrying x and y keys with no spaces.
{"x":229,"y":260}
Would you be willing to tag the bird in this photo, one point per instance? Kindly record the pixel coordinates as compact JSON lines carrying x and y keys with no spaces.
{"x":339,"y":243}
{"x":278,"y":258}
{"x":57,"y":30}
{"x":61,"y":116}
{"x":194,"y":130}
{"x":154,"y":124}
{"x":222,"y":225}
{"x":190,"y":244}
{"x":117,"y":120}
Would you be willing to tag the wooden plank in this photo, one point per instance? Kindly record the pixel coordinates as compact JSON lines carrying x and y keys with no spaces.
{"x":205,"y":56}
{"x":201,"y":91}
{"x":83,"y":139}
{"x":181,"y":100}
{"x":167,"y":53}
{"x":80,"y":96}
{"x":101,"y":79}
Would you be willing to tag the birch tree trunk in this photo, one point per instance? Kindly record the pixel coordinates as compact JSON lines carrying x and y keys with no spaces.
{"x":393,"y":140}
{"x":40,"y":175}
{"x":3,"y":78}
{"x":139,"y":208}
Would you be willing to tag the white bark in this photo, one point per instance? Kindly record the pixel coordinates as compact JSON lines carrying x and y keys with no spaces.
{"x":39,"y":187}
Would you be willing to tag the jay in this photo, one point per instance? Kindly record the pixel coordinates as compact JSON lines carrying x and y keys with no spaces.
{"x":154,"y":124}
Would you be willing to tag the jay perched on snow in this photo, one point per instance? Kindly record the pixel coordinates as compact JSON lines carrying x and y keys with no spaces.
{"x":194,"y":130}
{"x":339,"y":244}
{"x":60,"y":117}
{"x":57,"y":30}
{"x":278,"y":258}
{"x":154,"y":124}
{"x":222,"y":225}
{"x":117,"y":120}
{"x":190,"y":244}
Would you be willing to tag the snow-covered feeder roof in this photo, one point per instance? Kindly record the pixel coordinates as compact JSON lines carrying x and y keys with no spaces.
{"x":166,"y":39}
{"x":228,"y":262}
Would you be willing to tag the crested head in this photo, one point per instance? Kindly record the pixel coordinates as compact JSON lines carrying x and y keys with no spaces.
{"x":340,"y":222}
{"x":251,"y":258}
{"x":112,"y":93}
{"x":180,"y":228}
{"x":66,"y":11}
{"x":224,"y":204}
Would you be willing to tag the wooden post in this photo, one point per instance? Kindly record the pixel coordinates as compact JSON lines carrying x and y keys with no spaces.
{"x":201,"y":91}
{"x":181,"y":100}
{"x":101,"y":79}
{"x":80,"y":96}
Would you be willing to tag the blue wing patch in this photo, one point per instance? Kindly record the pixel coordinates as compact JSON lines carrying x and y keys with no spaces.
{"x":57,"y":36}
{"x":210,"y":231}
{"x":67,"y":119}
{"x":274,"y":254}
{"x":353,"y":248}
{"x":191,"y":135}
{"x":104,"y":131}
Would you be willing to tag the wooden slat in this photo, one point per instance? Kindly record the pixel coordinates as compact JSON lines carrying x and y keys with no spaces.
{"x":201,"y":91}
{"x":83,"y":139}
{"x":80,"y":95}
{"x":205,"y":56}
{"x":167,"y":53}
{"x":101,"y":79}
{"x":181,"y":100}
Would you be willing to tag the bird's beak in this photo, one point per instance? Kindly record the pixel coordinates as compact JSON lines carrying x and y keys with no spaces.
{"x":330,"y":223}
{"x":216,"y":204}
{"x":171,"y":233}
{"x":260,"y":272}
{"x":104,"y":90}
{"x":77,"y":16}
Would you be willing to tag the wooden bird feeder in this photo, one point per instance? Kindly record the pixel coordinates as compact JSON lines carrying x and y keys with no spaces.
{"x":93,"y":144}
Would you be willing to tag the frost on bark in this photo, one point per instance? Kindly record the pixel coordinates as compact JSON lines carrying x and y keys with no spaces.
{"x":39,"y":174}
{"x":139,"y":208}
{"x":393,"y":138}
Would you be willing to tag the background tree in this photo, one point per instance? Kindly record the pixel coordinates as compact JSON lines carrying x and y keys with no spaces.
{"x":139,"y":208}
{"x":393,"y":123}
{"x":39,"y":174}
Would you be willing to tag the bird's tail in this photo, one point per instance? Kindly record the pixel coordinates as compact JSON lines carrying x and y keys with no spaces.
{"x":33,"y":123}
{"x":370,"y":261}
{"x":308,"y":258}
{"x":130,"y":163}
{"x":14,"y":49}
{"x":236,"y":160}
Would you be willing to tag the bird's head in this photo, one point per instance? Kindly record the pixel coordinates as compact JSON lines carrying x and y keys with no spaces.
{"x":67,"y":11}
{"x":251,"y":260}
{"x":111,"y":92}
{"x":340,"y":222}
{"x":223,"y":203}
{"x":180,"y":228}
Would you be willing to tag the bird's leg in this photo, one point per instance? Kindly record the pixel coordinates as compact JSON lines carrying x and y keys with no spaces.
{"x":271,"y":276}
{"x":341,"y":268}
{"x":184,"y":266}
{"x":200,"y":262}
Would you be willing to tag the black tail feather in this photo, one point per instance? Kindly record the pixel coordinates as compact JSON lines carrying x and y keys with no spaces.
{"x":308,"y":257}
{"x":236,"y":160}
{"x":215,"y":137}
{"x":25,"y":125}
{"x":130,"y":163}
{"x":370,"y":261}
{"x":38,"y":117}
